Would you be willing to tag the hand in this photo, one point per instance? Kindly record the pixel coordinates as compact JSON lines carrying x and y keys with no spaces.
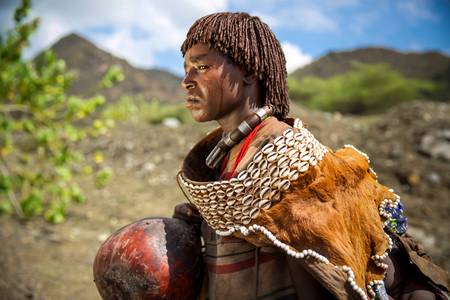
{"x":188,"y":213}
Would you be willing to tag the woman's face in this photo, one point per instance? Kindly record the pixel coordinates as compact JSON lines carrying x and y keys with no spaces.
{"x":214,"y":84}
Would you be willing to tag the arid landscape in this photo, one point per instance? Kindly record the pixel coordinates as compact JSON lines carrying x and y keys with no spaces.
{"x":409,"y":147}
{"x":44,"y":261}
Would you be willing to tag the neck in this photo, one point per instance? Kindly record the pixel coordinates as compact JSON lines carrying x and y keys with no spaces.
{"x":229,"y":122}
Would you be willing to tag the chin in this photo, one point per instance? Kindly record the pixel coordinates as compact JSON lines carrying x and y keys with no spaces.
{"x":199,"y":117}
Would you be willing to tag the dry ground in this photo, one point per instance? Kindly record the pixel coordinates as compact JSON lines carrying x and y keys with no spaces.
{"x":43,"y":261}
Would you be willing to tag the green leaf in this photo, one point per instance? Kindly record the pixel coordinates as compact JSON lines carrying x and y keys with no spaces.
{"x":112,"y":76}
{"x":5,"y":184}
{"x":55,"y":215}
{"x":5,"y":207}
{"x":77,"y":195}
{"x":102,"y":177}
{"x":32,"y":204}
{"x":22,"y":11}
{"x":64,"y":173}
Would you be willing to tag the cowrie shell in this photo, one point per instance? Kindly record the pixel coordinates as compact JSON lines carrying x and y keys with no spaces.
{"x":254,"y":212}
{"x":234,"y":181}
{"x":255,"y":173}
{"x":293,"y":153}
{"x":255,"y":202}
{"x":298,"y":136}
{"x":217,"y":185}
{"x":248,"y":182}
{"x":303,"y":167}
{"x":264,"y":193}
{"x":267,"y":149}
{"x":251,"y":166}
{"x":305,"y":156}
{"x":274,"y":172}
{"x":279,"y":140}
{"x":264,"y":173}
{"x":262,"y":164}
{"x":258,"y":157}
{"x":284,"y":185}
{"x":242,"y":176}
{"x":283,"y":162}
{"x":246,"y":220}
{"x":313,"y":161}
{"x":275,"y":196}
{"x":282,"y":149}
{"x":231,"y":201}
{"x":239,"y":188}
{"x":272,"y":156}
{"x":220,"y":194}
{"x":246,"y":210}
{"x":229,"y":224}
{"x":257,"y":181}
{"x":256,"y":190}
{"x":275,"y":182}
{"x":284,"y":172}
{"x":265,"y":181}
{"x":288,"y":133}
{"x":237,"y":215}
{"x":293,"y":175}
{"x":247,"y":200}
{"x":290,"y":142}
{"x":264,"y":204}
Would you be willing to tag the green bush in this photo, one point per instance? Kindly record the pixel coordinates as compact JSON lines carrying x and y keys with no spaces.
{"x":137,"y":109}
{"x":41,"y":127}
{"x":365,"y":89}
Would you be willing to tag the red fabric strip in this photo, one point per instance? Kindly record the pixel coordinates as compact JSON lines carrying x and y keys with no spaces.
{"x":240,"y":155}
{"x":239,"y":266}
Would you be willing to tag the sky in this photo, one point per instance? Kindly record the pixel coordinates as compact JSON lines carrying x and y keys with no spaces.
{"x":148,"y":33}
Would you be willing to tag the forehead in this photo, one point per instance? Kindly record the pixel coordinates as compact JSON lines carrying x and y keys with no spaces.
{"x":202,"y":51}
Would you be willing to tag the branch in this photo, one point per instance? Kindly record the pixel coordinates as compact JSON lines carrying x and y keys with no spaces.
{"x":11,"y":195}
{"x":6,"y":108}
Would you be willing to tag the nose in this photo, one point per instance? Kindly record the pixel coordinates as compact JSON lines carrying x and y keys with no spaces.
{"x":188,"y":82}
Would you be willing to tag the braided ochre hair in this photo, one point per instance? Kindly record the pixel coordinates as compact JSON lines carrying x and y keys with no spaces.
{"x":250,"y":44}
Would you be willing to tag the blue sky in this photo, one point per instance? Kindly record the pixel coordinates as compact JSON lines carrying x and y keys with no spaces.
{"x":148,"y":33}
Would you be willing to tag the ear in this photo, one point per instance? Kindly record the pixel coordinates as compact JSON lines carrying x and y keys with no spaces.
{"x":250,"y":78}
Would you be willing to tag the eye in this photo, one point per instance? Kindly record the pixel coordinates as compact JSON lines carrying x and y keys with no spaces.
{"x":203,"y":67}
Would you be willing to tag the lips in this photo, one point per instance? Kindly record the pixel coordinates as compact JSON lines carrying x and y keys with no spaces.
{"x":192,"y":101}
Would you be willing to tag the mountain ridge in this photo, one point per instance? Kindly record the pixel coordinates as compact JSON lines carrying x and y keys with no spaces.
{"x":91,"y":62}
{"x":421,"y":65}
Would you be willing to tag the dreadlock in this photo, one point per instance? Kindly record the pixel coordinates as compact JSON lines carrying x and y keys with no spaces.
{"x":250,"y":44}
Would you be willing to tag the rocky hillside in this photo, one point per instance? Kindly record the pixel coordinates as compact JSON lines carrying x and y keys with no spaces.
{"x":426,"y":65}
{"x":91,"y":63}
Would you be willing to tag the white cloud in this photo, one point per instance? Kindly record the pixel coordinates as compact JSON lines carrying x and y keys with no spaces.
{"x":312,"y":19}
{"x":361,"y":22}
{"x":418,"y":9}
{"x":303,"y":15}
{"x":163,"y":24}
{"x":295,"y":57}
